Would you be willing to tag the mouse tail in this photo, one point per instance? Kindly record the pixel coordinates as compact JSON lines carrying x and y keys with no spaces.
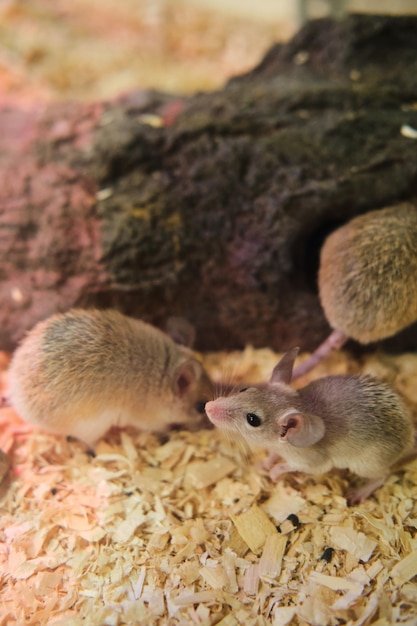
{"x":334,"y":341}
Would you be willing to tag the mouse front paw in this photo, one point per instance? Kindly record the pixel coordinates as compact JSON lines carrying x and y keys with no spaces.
{"x":277,"y":470}
{"x":271,"y":460}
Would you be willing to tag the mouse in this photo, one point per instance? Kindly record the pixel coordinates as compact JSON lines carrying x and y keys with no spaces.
{"x":81,"y":372}
{"x":347,"y":422}
{"x":367,"y":279}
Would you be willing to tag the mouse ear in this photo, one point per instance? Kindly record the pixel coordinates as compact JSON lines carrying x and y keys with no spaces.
{"x":181,"y":331}
{"x":185,"y":376}
{"x":301,"y":429}
{"x":282,"y":372}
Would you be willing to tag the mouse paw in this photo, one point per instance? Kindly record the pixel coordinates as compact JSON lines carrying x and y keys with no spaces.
{"x":277,"y":470}
{"x":271,"y":460}
{"x":356,"y":495}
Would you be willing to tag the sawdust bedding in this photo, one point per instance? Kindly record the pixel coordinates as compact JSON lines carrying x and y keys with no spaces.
{"x":187,"y":529}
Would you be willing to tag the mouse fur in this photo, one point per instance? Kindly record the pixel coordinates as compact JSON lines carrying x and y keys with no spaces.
{"x":367,"y":275}
{"x":81,"y":372}
{"x":347,"y":422}
{"x":367,"y":279}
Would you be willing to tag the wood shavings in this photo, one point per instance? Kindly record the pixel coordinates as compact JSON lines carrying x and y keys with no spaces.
{"x":185,"y":532}
{"x":251,"y":580}
{"x":229,"y":620}
{"x":201,"y":474}
{"x":214,"y":574}
{"x":336,"y":583}
{"x":254,"y":527}
{"x":283,"y":615}
{"x":356,"y":543}
{"x":283,"y":502}
{"x":195,"y":598}
{"x":408,"y":131}
{"x":271,"y":560}
{"x":406,"y":568}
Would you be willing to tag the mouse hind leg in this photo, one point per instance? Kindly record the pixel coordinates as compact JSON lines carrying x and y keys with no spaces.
{"x":92,"y":426}
{"x":356,"y":495}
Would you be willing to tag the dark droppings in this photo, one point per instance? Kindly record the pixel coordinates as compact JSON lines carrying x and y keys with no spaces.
{"x":327,"y":555}
{"x":294,"y":520}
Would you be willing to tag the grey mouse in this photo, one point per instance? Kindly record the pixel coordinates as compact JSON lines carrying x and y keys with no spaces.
{"x":348,"y":422}
{"x":80,"y":373}
{"x":367,"y":279}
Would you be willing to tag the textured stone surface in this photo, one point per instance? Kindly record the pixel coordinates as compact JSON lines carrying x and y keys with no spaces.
{"x":220,"y":215}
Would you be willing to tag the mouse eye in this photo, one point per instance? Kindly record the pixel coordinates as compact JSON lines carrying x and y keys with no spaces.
{"x":253,"y":419}
{"x":200,"y":407}
{"x":244,"y":389}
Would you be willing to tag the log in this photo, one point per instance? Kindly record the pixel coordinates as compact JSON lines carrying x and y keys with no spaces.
{"x":212,"y":207}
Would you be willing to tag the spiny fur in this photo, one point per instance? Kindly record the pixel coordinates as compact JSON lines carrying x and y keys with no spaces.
{"x":80,"y":372}
{"x":353,"y":422}
{"x":367,"y":275}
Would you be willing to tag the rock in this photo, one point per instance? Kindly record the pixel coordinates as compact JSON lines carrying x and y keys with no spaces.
{"x":213,"y":207}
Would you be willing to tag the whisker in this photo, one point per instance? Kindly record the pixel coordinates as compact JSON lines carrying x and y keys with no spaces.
{"x":238,"y":444}
{"x":229,"y":383}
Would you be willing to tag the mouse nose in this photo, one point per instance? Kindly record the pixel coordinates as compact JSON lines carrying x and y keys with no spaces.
{"x":214,"y":411}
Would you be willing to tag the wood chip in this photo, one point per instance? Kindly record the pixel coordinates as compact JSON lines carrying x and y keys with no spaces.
{"x":283,"y":615}
{"x":236,"y":543}
{"x":406,"y":569}
{"x":408,"y":131}
{"x":254,"y":527}
{"x":184,"y":531}
{"x":229,"y":620}
{"x":185,"y":599}
{"x":337,"y":583}
{"x":356,"y":543}
{"x":202,"y":474}
{"x":271,"y":560}
{"x":251,"y":580}
{"x":214,"y":574}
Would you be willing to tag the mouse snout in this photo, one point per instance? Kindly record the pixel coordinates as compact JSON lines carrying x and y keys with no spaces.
{"x":215,"y":412}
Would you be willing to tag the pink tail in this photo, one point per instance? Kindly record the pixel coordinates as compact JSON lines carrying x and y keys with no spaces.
{"x":334,"y":341}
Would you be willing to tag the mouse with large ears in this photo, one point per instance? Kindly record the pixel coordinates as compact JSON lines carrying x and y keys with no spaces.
{"x":347,"y":422}
{"x":367,"y":279}
{"x":82,"y":372}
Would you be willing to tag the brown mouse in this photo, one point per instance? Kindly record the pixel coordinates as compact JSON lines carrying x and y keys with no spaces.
{"x":347,"y":422}
{"x":80,"y":373}
{"x":367,"y":279}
